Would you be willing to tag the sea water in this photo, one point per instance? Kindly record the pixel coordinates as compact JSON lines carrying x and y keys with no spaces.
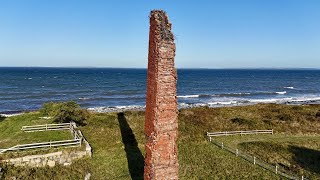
{"x":24,"y":89}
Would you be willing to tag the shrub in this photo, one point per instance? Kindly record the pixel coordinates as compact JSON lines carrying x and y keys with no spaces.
{"x":318,"y":114}
{"x":284,"y":117}
{"x":70,"y":111}
{"x":297,"y":108}
{"x":242,"y":121}
{"x":2,"y":117}
{"x":64,"y":112}
{"x":49,"y":109}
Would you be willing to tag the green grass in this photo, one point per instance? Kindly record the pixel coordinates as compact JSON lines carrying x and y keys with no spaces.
{"x":297,"y":154}
{"x":11,"y":133}
{"x":118,"y":143}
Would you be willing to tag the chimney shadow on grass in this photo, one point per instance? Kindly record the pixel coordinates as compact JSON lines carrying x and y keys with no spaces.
{"x":306,"y":158}
{"x":134,"y":156}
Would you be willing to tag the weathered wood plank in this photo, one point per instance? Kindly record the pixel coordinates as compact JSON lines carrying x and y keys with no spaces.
{"x":227,"y":133}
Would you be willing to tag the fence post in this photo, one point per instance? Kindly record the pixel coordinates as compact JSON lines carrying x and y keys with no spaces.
{"x":254,"y":160}
{"x":225,"y":133}
{"x":210,"y":138}
{"x":240,"y":133}
{"x":237,"y":152}
{"x":222,"y":145}
{"x":302,"y":178}
{"x":276,"y":169}
{"x":272,"y":131}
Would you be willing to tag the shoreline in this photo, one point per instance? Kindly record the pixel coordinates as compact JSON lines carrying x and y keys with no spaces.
{"x":108,"y":109}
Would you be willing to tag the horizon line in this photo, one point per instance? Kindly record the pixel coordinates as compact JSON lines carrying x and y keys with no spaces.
{"x":235,"y":68}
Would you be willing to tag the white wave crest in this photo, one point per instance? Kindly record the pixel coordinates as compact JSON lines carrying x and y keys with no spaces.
{"x":305,"y":99}
{"x":189,"y":96}
{"x":289,"y":87}
{"x":282,"y":92}
{"x":289,"y":100}
{"x":10,"y":115}
{"x":240,"y":93}
{"x":83,"y":98}
{"x":105,"y":109}
{"x":223,"y":103}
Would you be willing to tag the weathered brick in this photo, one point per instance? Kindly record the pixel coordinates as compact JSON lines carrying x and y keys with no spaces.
{"x":161,"y":123}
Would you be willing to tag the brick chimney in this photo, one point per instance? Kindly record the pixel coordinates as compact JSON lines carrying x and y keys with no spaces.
{"x":161,"y":121}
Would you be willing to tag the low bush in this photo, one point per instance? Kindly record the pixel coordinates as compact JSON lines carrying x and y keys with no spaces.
{"x":318,"y":114}
{"x":1,"y":171}
{"x":49,"y":109}
{"x":242,"y":121}
{"x":64,"y":112}
{"x":284,"y":117}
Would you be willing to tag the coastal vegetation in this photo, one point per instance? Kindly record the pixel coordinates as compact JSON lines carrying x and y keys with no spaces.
{"x":1,"y":117}
{"x":64,"y":112}
{"x":118,"y":141}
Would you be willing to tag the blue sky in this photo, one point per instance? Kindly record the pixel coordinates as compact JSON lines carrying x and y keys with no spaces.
{"x":114,"y":33}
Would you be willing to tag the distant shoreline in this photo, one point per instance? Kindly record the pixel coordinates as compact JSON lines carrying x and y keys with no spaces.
{"x":189,"y":106}
{"x":116,"y":109}
{"x":179,"y":68}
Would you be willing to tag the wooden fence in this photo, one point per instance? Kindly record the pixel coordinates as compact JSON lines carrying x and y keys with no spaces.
{"x":73,"y":143}
{"x":229,"y":133}
{"x":279,"y":170}
{"x":76,"y":141}
{"x":273,"y":168}
{"x":48,"y":127}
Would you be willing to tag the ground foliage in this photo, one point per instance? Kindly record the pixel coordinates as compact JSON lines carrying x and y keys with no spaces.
{"x":64,"y":112}
{"x":118,"y":143}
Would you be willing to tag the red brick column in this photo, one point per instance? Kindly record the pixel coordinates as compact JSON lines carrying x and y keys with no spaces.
{"x":161,"y":123}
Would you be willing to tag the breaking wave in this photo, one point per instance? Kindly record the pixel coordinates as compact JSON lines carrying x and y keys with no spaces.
{"x":218,"y":103}
{"x":231,"y":94}
{"x":189,"y":96}
{"x":282,"y":92}
{"x":289,"y":87}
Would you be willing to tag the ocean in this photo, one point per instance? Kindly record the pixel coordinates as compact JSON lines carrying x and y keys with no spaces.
{"x":25,"y":89}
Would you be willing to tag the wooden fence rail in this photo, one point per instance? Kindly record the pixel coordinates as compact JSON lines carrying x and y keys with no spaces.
{"x":76,"y":142}
{"x":48,"y":127}
{"x":228,"y":133}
